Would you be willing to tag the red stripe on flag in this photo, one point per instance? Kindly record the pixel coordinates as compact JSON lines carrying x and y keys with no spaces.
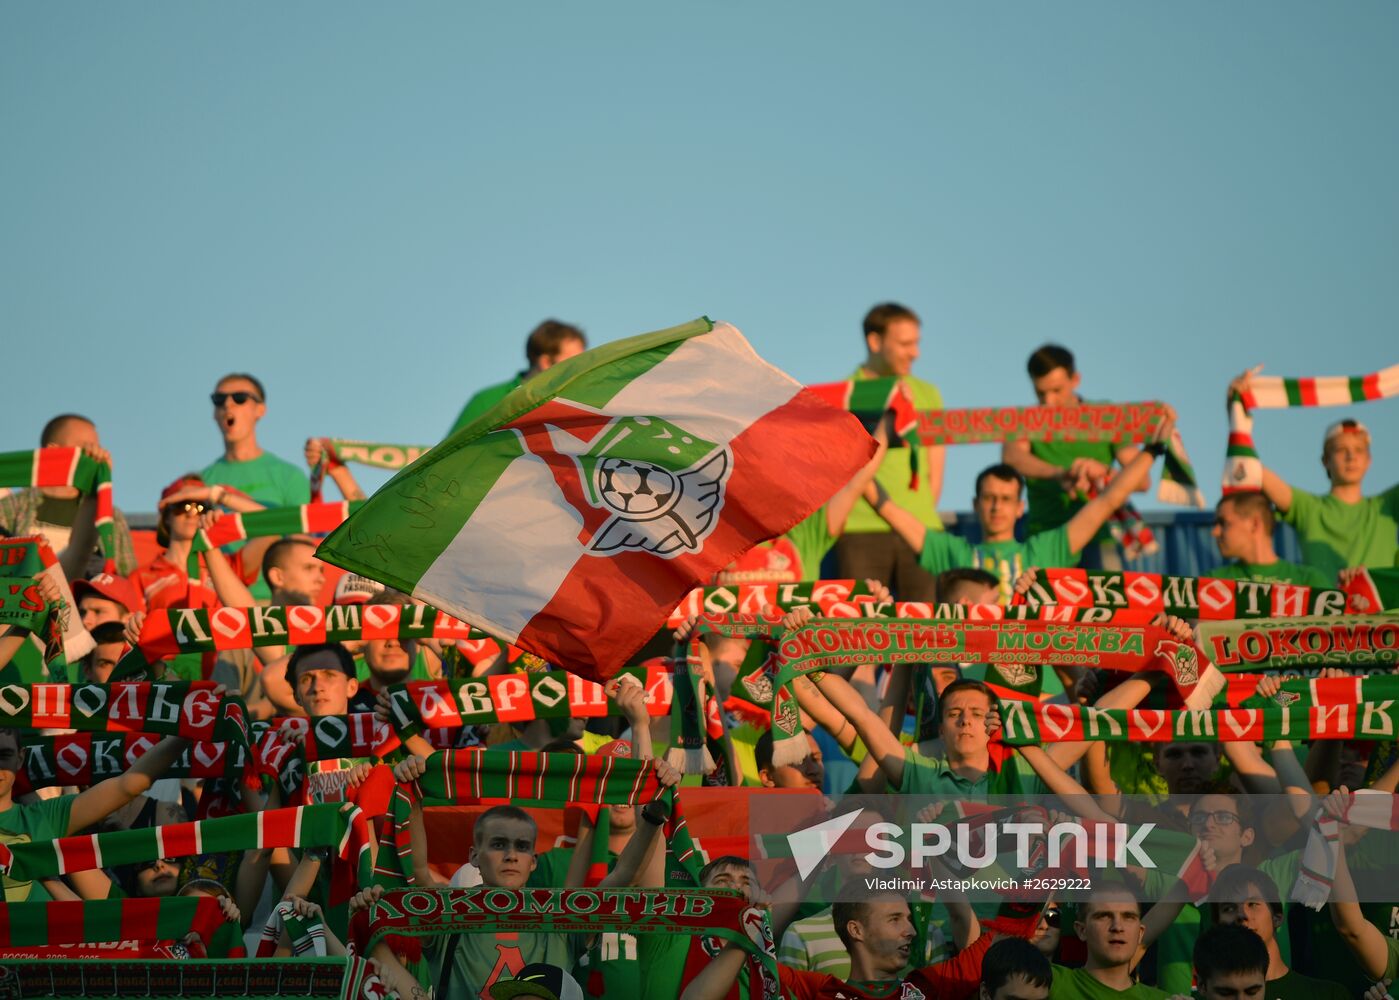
{"x":380,"y":621}
{"x":54,"y":466}
{"x":226,"y":529}
{"x":50,"y":706}
{"x":279,"y":827}
{"x":4,"y":925}
{"x":1240,"y":439}
{"x":1306,"y":390}
{"x":1370,"y":386}
{"x":607,"y":608}
{"x":104,"y":503}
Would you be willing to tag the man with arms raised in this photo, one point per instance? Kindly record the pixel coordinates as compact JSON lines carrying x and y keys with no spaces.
{"x":998,"y":505}
{"x":1344,"y":527}
{"x":1057,"y":473}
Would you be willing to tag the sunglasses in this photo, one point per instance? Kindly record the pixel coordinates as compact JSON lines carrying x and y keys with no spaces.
{"x":240,"y":398}
{"x":148,"y":865}
{"x":188,"y":507}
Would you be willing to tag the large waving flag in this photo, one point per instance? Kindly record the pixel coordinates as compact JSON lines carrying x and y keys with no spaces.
{"x":572,"y":517}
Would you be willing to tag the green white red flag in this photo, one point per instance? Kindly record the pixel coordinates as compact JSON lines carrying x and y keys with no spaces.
{"x":573,"y":517}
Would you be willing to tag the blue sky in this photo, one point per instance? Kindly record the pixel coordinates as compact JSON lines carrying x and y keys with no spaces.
{"x":370,"y":205}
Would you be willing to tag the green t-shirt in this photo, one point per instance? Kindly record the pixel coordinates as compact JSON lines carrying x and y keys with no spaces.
{"x":268,"y":479}
{"x":46,"y":819}
{"x":1295,"y":986}
{"x":926,"y":775}
{"x":1329,"y":952}
{"x":479,"y":960}
{"x":1050,"y":504}
{"x":897,"y":469}
{"x":1391,"y":966}
{"x":1335,"y":535}
{"x":1077,"y":984}
{"x":789,"y":558}
{"x":1007,"y":560}
{"x":1281,"y":571}
{"x":484,"y":400}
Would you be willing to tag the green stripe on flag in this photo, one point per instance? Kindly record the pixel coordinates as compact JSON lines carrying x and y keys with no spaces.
{"x":1357,"y":389}
{"x":1294,"y":391}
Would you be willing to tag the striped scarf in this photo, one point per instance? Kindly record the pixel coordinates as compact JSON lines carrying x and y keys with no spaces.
{"x":307,"y":519}
{"x":48,"y":467}
{"x":307,"y":935}
{"x":33,"y":928}
{"x":84,"y":759}
{"x":1203,"y":598}
{"x":345,"y":831}
{"x":1369,"y":808}
{"x":471,"y":776}
{"x":1243,"y":470}
{"x":1274,"y":643}
{"x":870,"y":399}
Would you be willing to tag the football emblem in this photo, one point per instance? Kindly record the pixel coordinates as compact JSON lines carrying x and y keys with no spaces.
{"x":636,"y":489}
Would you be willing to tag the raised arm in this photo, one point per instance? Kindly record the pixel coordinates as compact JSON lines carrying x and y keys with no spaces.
{"x":881,"y":743}
{"x":905,"y":525}
{"x":838,"y":507}
{"x":1365,"y":941}
{"x":653,"y":816}
{"x":1084,"y":525}
{"x":106,"y":797}
{"x":1279,"y":492}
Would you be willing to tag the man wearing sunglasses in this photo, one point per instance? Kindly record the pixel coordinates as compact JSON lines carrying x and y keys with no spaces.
{"x":239,"y":403}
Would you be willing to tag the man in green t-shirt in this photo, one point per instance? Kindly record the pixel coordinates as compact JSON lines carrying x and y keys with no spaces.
{"x":1058,"y":473}
{"x":998,"y":505}
{"x":1231,"y":963}
{"x":868,"y":549}
{"x":1249,"y":898}
{"x":239,"y":403}
{"x":1344,"y":527}
{"x":548,"y":343}
{"x":1110,"y":925}
{"x":1243,"y":529}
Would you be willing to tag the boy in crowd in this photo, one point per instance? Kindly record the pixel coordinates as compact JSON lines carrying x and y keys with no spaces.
{"x":1110,"y":926}
{"x":1014,"y":969}
{"x":1344,"y":527}
{"x":1231,"y":963}
{"x":548,"y":343}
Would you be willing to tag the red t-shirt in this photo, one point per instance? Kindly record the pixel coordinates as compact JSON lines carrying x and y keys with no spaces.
{"x":165,"y":585}
{"x":955,"y":979}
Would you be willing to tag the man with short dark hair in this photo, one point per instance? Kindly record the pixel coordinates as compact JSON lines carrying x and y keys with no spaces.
{"x":1058,"y":473}
{"x":1231,"y":963}
{"x":1014,"y":969}
{"x":239,"y":403}
{"x":292,"y":570}
{"x":868,"y":549}
{"x":1110,"y":926}
{"x":548,"y":343}
{"x":998,"y":505}
{"x":1248,"y":897}
{"x":1243,"y":529}
{"x":106,"y":598}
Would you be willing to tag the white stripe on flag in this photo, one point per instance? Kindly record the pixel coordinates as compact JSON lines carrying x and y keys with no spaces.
{"x":261,"y":837}
{"x":524,"y":506}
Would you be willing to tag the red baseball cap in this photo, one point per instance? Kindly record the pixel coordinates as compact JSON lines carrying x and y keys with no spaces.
{"x":113,"y":588}
{"x":616,"y":748}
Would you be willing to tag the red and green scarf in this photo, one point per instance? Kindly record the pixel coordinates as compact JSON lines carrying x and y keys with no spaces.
{"x":84,"y":759}
{"x":1289,"y":643}
{"x":344,"y":830}
{"x":1203,"y":598}
{"x":870,"y":399}
{"x":66,"y":467}
{"x":707,"y":913}
{"x":1243,"y":470}
{"x":189,"y":709}
{"x":307,"y":519}
{"x":515,"y":697}
{"x":824,"y":644}
{"x":40,"y":930}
